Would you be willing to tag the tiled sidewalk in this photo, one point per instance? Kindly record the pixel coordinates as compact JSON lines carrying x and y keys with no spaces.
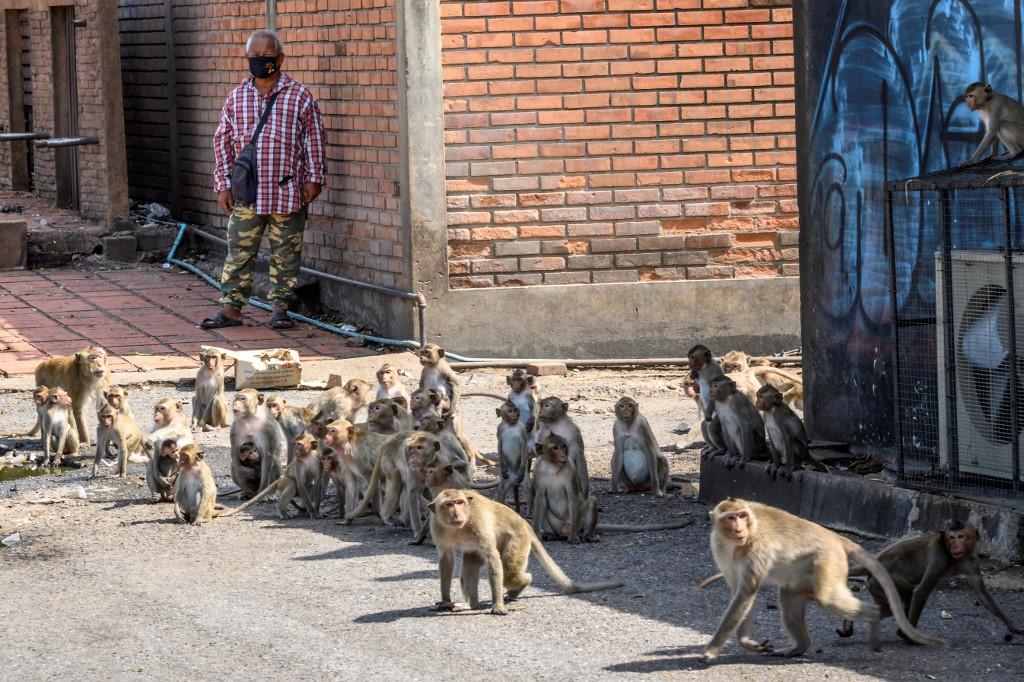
{"x":146,"y":318}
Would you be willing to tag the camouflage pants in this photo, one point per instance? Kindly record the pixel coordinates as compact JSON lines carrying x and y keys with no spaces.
{"x":245,"y":231}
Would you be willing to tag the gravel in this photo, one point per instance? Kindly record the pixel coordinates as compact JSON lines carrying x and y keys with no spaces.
{"x":112,"y":587}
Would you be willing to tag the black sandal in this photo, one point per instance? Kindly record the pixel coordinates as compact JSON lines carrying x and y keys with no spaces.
{"x":281,"y":321}
{"x":219,"y":321}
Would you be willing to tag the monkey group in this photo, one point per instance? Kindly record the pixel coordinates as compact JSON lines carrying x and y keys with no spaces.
{"x":405,"y":456}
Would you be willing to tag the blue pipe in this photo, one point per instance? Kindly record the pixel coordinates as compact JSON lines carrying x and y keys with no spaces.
{"x":398,"y":343}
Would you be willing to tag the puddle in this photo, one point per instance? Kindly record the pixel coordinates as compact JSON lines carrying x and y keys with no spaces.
{"x":17,"y":473}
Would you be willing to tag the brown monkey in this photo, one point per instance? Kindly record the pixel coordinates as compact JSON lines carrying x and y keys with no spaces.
{"x":359,"y":449}
{"x":120,"y":431}
{"x":523,"y":394}
{"x":704,"y":368}
{"x":1003,"y":117}
{"x":742,"y":426}
{"x":401,"y":488}
{"x":918,"y":564}
{"x":348,"y":402}
{"x":253,"y":422}
{"x":787,"y":438}
{"x":195,"y":493}
{"x":390,"y":386}
{"x":451,"y":447}
{"x":388,"y":417}
{"x":294,"y":421}
{"x":636,"y":453}
{"x":424,"y":402}
{"x":162,"y":471}
{"x":330,"y":462}
{"x":559,"y":504}
{"x":59,"y":435}
{"x":249,"y":469}
{"x":513,"y":454}
{"x":209,"y":406}
{"x":82,"y":375}
{"x":489,"y":532}
{"x":437,"y":373}
{"x":754,"y":544}
{"x":40,"y":398}
{"x":169,"y":423}
{"x":554,"y":418}
{"x":303,"y":476}
{"x":117,"y":398}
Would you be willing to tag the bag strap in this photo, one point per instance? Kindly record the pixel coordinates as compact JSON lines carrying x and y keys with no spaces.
{"x":264,"y":117}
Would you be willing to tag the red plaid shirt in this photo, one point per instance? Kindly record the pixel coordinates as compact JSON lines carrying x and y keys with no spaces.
{"x":289,"y":151}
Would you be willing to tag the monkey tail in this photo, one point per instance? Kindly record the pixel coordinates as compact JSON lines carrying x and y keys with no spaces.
{"x":484,"y":486}
{"x":502,"y":398}
{"x":788,"y":376}
{"x":371,"y":490}
{"x":558,"y":575}
{"x":879,"y":573}
{"x":710,"y":581}
{"x":256,"y":498}
{"x":619,"y":528}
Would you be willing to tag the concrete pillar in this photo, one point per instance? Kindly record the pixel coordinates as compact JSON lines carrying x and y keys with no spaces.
{"x":421,"y":114}
{"x":113,"y":139}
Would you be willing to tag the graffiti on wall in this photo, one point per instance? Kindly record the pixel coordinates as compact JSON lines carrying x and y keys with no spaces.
{"x":888,"y":105}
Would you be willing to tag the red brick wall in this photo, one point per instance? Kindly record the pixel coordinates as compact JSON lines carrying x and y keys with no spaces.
{"x":345,"y":54}
{"x":618,"y":140}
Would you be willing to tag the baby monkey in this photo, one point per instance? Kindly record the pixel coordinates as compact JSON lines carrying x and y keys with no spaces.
{"x":162,"y":470}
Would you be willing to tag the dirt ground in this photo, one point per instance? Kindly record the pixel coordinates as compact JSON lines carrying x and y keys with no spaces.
{"x":110,"y":587}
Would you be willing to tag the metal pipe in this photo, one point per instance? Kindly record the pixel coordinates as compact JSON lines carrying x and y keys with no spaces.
{"x":1011,"y":302}
{"x":67,"y":142}
{"x":612,"y":362}
{"x":18,"y":137}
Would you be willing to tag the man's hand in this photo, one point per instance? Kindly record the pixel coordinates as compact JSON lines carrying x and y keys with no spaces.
{"x":310,"y":191}
{"x":225,"y":200}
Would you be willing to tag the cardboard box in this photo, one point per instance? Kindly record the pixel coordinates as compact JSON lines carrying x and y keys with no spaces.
{"x":266,"y":368}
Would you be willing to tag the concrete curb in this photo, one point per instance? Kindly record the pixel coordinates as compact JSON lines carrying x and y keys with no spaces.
{"x":313,"y":370}
{"x":847,"y":502}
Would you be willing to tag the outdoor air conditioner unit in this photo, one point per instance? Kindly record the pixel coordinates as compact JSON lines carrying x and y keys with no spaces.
{"x":982,"y":344}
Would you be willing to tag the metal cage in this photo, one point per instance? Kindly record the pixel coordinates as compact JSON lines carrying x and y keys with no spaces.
{"x":956,"y":266}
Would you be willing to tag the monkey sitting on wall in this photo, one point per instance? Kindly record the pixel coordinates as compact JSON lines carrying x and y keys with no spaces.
{"x":787,"y":439}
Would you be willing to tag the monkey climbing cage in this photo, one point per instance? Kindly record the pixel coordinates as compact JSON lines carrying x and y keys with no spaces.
{"x":955,"y":241}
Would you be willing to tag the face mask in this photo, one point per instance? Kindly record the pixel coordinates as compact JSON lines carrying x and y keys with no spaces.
{"x":263,"y":67}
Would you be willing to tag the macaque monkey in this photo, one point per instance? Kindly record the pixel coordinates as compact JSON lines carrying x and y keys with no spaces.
{"x":754,"y":545}
{"x":554,"y":418}
{"x":195,"y":492}
{"x":358,"y":450}
{"x":249,"y":469}
{"x":120,"y":431}
{"x":513,"y":454}
{"x":787,"y":438}
{"x":348,"y":402}
{"x":523,"y":394}
{"x":294,"y":421}
{"x":82,"y":375}
{"x":59,"y":435}
{"x":451,"y":447}
{"x":1003,"y":117}
{"x":169,"y":423}
{"x":390,"y":386}
{"x":426,"y":401}
{"x":917,"y":565}
{"x":636,"y":453}
{"x":558,"y":501}
{"x":742,"y":426}
{"x":162,"y":470}
{"x":704,"y":368}
{"x":401,"y":488}
{"x":41,"y":399}
{"x":209,"y":406}
{"x":437,"y":374}
{"x":489,"y":533}
{"x":117,"y":398}
{"x":388,"y":417}
{"x":304,"y":477}
{"x":253,"y":422}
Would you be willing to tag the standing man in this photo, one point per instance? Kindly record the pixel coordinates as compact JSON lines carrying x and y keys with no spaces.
{"x":290,"y":167}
